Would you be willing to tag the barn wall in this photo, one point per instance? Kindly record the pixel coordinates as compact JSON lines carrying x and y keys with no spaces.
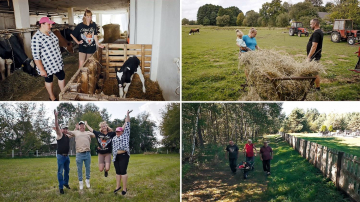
{"x":143,"y":19}
{"x":7,"y":21}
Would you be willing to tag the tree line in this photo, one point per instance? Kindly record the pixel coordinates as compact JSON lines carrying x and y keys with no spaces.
{"x":24,"y":127}
{"x":277,"y":13}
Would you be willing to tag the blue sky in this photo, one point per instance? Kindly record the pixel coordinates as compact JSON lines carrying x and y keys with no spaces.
{"x":190,"y":7}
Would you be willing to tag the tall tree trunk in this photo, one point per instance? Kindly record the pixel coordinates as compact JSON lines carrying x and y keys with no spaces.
{"x":201,"y":140}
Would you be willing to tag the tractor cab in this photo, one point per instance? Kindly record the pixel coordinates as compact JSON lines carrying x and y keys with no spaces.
{"x":297,"y":28}
{"x":343,"y":31}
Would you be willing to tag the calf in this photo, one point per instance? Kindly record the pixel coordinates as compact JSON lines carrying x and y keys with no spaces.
{"x":193,"y":31}
{"x":68,"y":46}
{"x":2,"y":68}
{"x":125,"y":74}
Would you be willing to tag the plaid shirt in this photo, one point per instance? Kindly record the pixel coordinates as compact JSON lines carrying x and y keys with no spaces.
{"x":122,"y":142}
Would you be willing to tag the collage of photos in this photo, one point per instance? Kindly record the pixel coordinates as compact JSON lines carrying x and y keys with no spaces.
{"x":180,"y":100}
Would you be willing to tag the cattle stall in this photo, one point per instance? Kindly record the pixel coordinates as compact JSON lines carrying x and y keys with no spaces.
{"x":96,"y":80}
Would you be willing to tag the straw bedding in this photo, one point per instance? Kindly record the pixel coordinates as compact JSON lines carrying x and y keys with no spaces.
{"x":270,"y":63}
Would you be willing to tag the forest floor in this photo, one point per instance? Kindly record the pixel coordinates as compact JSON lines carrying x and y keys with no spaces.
{"x":292,"y":179}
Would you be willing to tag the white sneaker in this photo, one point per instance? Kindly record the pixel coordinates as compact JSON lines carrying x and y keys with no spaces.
{"x":87,"y":183}
{"x":81,"y":183}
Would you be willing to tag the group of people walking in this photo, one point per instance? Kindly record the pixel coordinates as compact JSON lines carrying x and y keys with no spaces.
{"x":115,"y":144}
{"x":266,"y":155}
{"x":46,"y":50}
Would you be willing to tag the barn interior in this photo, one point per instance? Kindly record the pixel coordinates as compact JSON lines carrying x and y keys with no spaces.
{"x":154,"y":22}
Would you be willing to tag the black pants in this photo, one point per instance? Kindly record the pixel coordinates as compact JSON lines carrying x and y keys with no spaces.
{"x":232,"y":162}
{"x":121,"y":163}
{"x":266,"y":165}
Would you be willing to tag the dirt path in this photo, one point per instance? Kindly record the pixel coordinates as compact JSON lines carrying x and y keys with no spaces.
{"x":215,"y":182}
{"x":71,"y":64}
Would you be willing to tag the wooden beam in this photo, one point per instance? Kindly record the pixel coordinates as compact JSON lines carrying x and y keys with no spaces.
{"x":107,"y":61}
{"x":142,"y":58}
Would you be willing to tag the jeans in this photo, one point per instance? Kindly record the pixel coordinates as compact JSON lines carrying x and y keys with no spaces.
{"x":86,"y":158}
{"x":232,"y":162}
{"x":63,"y":164}
{"x":250,"y":159}
{"x":266,"y":165}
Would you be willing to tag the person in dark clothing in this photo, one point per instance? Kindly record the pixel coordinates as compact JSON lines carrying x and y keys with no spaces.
{"x":104,"y":149}
{"x":266,"y":154}
{"x":232,"y":150}
{"x":85,"y":34}
{"x":314,"y":46}
{"x":63,"y":160}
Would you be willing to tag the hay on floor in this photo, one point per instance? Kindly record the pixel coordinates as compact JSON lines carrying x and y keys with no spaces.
{"x":270,"y":63}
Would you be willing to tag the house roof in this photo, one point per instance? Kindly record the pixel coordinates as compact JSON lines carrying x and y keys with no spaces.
{"x":322,"y":15}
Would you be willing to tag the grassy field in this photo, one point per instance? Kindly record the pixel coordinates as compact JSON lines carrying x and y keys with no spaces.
{"x":348,"y":145}
{"x":151,"y":178}
{"x":292,"y":179}
{"x":210,"y":64}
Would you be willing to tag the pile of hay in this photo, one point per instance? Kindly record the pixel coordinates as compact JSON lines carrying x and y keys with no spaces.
{"x":270,"y":63}
{"x":111,"y":32}
{"x":153,"y":91}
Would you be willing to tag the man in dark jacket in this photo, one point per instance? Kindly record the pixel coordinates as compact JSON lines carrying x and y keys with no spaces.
{"x":266,"y":154}
{"x":232,"y":151}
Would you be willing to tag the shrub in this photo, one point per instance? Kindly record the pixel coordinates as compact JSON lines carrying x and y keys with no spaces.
{"x":331,"y":128}
{"x":222,"y":21}
{"x":323,"y":128}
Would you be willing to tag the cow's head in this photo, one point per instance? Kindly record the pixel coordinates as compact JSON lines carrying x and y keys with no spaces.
{"x":69,"y":48}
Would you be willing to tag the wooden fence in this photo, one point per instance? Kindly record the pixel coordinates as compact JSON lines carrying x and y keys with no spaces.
{"x":342,"y":168}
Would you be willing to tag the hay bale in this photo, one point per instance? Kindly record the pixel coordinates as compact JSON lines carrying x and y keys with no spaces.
{"x":153,"y":91}
{"x":111,"y":33}
{"x":269,"y":63}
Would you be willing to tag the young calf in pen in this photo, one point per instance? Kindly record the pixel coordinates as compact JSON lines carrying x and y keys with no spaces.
{"x":125,"y":74}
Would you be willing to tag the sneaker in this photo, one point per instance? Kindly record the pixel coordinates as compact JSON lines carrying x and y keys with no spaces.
{"x":81,"y":183}
{"x":268,"y":173}
{"x":61,"y":191}
{"x":67,"y":186}
{"x":317,"y":89}
{"x":87,"y":183}
{"x":123,"y":192}
{"x":106,"y":173}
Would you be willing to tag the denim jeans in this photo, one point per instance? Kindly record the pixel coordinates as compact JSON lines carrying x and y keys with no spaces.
{"x":86,"y":158}
{"x":250,"y":159}
{"x":63,"y":164}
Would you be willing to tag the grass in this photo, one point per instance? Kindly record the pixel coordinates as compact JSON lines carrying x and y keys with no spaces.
{"x":210,"y":64}
{"x":348,"y":145}
{"x":292,"y":179}
{"x":151,"y":178}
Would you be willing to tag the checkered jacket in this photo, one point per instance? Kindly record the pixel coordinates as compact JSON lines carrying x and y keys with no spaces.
{"x":47,"y":49}
{"x":122,"y":142}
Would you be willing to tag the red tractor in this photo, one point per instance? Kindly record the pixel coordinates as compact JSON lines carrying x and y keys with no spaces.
{"x":297,"y":28}
{"x":343,"y":30}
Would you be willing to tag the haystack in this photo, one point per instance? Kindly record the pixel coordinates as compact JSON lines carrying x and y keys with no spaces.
{"x":262,"y":66}
{"x":111,"y":33}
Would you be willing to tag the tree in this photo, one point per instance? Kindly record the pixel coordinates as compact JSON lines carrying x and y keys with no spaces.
{"x":223,"y":20}
{"x":240,"y":18}
{"x":297,"y":120}
{"x":283,"y":20}
{"x":185,"y":21}
{"x":354,"y":123}
{"x":316,"y":3}
{"x":192,"y":22}
{"x":303,"y":9}
{"x":329,"y":6}
{"x":93,"y":119}
{"x":170,"y":127}
{"x":270,"y":11}
{"x":206,"y":11}
{"x":286,"y":7}
{"x":251,"y":18}
{"x":206,"y":21}
{"x":346,"y":9}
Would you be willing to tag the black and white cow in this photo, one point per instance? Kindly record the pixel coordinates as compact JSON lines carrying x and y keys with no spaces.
{"x":125,"y":74}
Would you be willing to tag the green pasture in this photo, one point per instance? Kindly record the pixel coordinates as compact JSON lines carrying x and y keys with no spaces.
{"x":151,"y":178}
{"x":210,"y":63}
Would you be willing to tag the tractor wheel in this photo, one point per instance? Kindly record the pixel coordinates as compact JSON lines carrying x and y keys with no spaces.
{"x":307,"y":34}
{"x":291,"y":32}
{"x":335,"y":37}
{"x":299,"y":34}
{"x":351,"y":40}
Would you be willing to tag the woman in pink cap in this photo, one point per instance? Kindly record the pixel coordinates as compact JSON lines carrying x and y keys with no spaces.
{"x":121,"y":154}
{"x":47,"y":56}
{"x":85,"y":34}
{"x":104,"y":138}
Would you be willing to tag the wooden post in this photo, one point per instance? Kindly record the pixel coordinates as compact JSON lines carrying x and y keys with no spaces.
{"x":143,"y":58}
{"x":125,"y":52}
{"x":304,"y":150}
{"x":315,"y":156}
{"x":338,"y":169}
{"x":107,"y":61}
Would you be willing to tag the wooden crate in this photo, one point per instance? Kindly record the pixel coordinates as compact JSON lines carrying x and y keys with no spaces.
{"x":114,"y":55}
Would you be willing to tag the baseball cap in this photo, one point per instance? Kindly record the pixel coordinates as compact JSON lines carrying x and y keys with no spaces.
{"x":81,"y":122}
{"x":64,"y":126}
{"x":119,"y":129}
{"x":46,"y":19}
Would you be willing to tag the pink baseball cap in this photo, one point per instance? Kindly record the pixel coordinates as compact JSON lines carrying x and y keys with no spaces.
{"x":46,"y":19}
{"x":119,"y":129}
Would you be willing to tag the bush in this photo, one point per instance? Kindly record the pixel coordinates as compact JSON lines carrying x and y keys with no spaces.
{"x":326,"y":28}
{"x":331,"y":128}
{"x":281,"y":129}
{"x":323,"y":128}
{"x":282,"y":20}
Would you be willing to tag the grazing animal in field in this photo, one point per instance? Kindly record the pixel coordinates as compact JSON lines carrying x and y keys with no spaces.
{"x":8,"y":63}
{"x":193,"y":31}
{"x":67,"y":45}
{"x":125,"y":74}
{"x":2,"y":69}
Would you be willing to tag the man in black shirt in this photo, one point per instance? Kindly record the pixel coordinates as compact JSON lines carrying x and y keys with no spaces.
{"x":233,"y":152}
{"x":62,"y":156}
{"x":314,"y":46}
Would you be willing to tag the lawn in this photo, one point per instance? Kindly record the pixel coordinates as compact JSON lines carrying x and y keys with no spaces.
{"x":348,"y":145}
{"x":292,"y":179}
{"x":151,"y":178}
{"x":210,"y":64}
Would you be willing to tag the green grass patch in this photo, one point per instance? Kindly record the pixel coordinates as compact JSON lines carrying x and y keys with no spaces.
{"x":151,"y":178}
{"x":210,"y":63}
